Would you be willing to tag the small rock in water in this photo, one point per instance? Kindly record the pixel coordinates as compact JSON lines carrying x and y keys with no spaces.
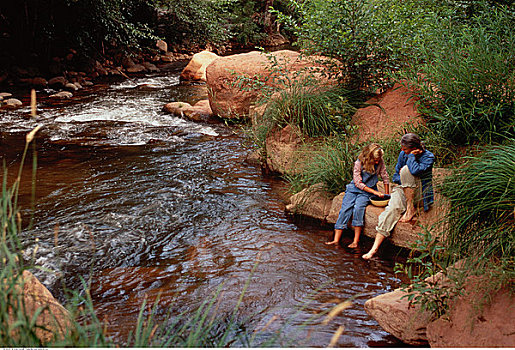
{"x":62,"y":95}
{"x":145,"y":87}
{"x":71,"y":87}
{"x":12,"y":103}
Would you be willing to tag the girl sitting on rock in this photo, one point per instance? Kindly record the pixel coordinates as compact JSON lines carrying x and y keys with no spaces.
{"x":367,"y":167}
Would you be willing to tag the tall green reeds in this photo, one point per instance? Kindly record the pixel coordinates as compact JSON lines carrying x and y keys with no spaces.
{"x":317,"y":111}
{"x":331,"y":165}
{"x":481,"y":196}
{"x":17,"y":326}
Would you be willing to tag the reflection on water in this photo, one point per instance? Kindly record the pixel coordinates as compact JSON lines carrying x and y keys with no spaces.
{"x":151,"y":205}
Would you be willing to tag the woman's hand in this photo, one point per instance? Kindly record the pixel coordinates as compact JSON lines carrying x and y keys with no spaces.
{"x":416,"y":152}
{"x":379,"y":194}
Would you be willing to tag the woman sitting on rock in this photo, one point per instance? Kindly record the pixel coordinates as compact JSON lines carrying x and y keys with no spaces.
{"x":413,"y":173}
{"x":367,"y":167}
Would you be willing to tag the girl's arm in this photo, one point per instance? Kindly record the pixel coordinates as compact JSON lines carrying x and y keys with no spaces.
{"x":356,"y":175}
{"x":384,"y":175}
{"x":358,"y":180}
{"x":386,"y":187}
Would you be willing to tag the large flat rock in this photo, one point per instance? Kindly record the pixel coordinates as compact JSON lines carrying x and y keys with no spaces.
{"x":397,"y":316}
{"x":316,"y":203}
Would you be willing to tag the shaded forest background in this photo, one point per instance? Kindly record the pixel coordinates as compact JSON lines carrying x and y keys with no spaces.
{"x":34,"y":32}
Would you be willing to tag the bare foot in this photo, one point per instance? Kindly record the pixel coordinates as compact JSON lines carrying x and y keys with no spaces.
{"x":353,"y":245}
{"x":332,"y":242}
{"x":368,"y":255}
{"x":408,"y":215}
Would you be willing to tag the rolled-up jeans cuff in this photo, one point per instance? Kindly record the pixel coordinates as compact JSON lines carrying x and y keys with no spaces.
{"x":383,"y":232}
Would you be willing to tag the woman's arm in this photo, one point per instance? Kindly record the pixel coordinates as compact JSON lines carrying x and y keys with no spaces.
{"x":419,"y":165}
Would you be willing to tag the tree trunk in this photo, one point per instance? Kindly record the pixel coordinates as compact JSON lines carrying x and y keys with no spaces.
{"x":267,"y":22}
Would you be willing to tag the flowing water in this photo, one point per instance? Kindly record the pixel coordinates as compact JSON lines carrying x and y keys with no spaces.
{"x":143,"y":204}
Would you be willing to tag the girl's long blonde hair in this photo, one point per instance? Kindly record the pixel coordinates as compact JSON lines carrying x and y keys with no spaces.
{"x":368,"y":156}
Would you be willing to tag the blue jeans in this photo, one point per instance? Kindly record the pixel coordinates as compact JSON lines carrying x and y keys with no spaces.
{"x":354,"y":203}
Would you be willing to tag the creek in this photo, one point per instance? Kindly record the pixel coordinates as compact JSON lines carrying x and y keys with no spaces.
{"x":142,"y":203}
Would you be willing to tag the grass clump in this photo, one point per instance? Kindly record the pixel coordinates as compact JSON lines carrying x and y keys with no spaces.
{"x":316,"y":111}
{"x":481,"y":196}
{"x":331,"y":165}
{"x":313,"y":111}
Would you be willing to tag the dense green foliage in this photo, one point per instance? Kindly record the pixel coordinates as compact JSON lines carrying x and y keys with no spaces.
{"x":370,"y":38}
{"x":458,"y":57}
{"x":466,"y":83}
{"x":37,"y":27}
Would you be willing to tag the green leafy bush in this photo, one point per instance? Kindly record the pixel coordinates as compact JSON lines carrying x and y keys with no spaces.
{"x":466,"y":85}
{"x":370,"y":38}
{"x":36,"y":31}
{"x":195,"y":22}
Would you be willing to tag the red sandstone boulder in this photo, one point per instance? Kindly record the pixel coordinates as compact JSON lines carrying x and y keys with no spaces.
{"x":62,"y":95}
{"x":196,"y":68}
{"x":137,"y":68}
{"x":39,"y":83}
{"x":57,"y":82}
{"x":313,"y":200}
{"x":176,"y":108}
{"x":71,"y":87}
{"x":53,"y":319}
{"x":286,"y":151}
{"x":388,"y":114}
{"x":230,"y":96}
{"x":162,"y":46}
{"x":201,"y":111}
{"x":12,"y":103}
{"x":397,"y":316}
{"x":475,"y":319}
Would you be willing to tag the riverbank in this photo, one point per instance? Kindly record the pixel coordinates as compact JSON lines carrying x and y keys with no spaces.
{"x":71,"y":77}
